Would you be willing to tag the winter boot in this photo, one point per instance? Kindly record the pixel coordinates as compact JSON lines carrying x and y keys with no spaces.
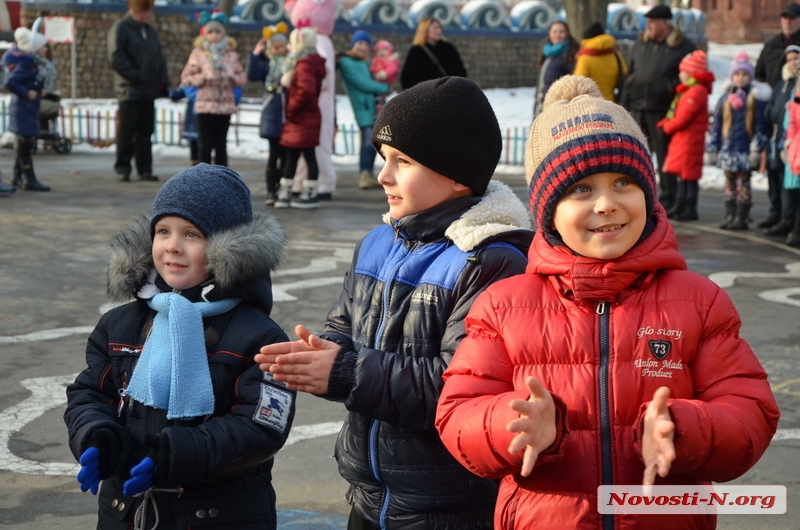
{"x":680,"y":201}
{"x":31,"y":184}
{"x":793,"y":240}
{"x":284,"y":193}
{"x":366,"y":180}
{"x":689,"y":211}
{"x":742,"y":217}
{"x":730,"y":213}
{"x":273,"y":181}
{"x":6,"y":189}
{"x":308,"y":196}
{"x":781,"y":229}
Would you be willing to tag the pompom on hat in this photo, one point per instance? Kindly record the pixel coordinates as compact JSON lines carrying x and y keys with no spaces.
{"x":213,"y":198}
{"x":695,"y":62}
{"x":741,"y":63}
{"x":216,"y":19}
{"x":579,"y":134}
{"x":447,"y":125}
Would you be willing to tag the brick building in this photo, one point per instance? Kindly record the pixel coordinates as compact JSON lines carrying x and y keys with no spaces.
{"x":741,"y":21}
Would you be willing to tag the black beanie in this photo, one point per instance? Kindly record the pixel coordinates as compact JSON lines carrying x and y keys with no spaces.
{"x":447,"y":125}
{"x":212,"y":198}
{"x":595,"y":30}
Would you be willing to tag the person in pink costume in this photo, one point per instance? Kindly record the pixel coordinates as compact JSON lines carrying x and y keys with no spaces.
{"x":321,"y":15}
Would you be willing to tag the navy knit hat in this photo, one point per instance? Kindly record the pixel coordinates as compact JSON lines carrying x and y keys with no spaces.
{"x":213,"y":198}
{"x":360,"y":35}
{"x":447,"y":125}
{"x":579,"y":134}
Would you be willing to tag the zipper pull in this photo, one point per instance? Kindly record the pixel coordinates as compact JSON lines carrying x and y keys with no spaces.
{"x":601,"y":308}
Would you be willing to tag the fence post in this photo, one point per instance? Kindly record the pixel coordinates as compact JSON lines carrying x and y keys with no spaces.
{"x":80,"y":126}
{"x":508,"y":143}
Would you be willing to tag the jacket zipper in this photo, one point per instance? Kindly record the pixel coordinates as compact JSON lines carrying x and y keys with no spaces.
{"x":373,"y":430}
{"x":604,"y":312}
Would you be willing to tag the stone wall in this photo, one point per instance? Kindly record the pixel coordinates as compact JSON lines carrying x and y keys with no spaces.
{"x":492,"y":58}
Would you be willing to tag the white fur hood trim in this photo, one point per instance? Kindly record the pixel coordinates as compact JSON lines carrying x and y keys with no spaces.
{"x":499,"y":211}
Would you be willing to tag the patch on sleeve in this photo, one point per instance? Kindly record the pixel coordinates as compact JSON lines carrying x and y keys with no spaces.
{"x":273,"y":408}
{"x":269,"y":378}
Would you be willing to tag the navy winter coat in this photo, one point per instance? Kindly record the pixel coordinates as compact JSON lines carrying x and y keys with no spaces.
{"x":223,"y":462}
{"x":733,"y":149}
{"x":398,"y":321}
{"x":21,"y":78}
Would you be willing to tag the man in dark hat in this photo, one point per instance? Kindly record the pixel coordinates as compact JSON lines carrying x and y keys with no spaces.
{"x":140,"y":76}
{"x":768,"y":69}
{"x":653,"y":76}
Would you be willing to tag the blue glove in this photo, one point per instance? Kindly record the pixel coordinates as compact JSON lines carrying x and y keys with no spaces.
{"x":141,"y":478}
{"x":89,"y":475}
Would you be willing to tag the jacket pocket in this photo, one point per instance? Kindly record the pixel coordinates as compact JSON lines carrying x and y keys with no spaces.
{"x":250,"y":509}
{"x":115,"y":508}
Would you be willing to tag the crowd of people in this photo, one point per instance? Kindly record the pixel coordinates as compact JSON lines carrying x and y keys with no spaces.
{"x":486,"y":350}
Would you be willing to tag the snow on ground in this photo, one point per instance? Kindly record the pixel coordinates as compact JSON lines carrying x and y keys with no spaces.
{"x":513,"y":107}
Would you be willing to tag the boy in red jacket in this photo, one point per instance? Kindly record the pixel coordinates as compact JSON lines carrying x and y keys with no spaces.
{"x":607,"y":363}
{"x":686,"y":123}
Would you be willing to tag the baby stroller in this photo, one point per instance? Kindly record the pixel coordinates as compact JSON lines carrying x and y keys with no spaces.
{"x":48,"y":127}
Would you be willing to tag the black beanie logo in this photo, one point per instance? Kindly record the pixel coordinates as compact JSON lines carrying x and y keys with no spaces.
{"x":385,"y":134}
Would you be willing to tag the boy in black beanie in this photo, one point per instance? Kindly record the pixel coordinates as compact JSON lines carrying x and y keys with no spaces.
{"x":449,"y":233}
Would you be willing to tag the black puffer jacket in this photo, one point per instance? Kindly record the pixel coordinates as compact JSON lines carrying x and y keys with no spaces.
{"x":222,"y":463}
{"x":399,"y":321}
{"x":653,"y":68}
{"x":140,"y":70}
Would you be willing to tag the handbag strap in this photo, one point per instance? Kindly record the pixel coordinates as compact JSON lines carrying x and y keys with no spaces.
{"x":435,"y":60}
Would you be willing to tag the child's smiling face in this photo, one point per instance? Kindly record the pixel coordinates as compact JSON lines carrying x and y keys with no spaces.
{"x":740,"y":79}
{"x":601,"y":216}
{"x":179,"y":252}
{"x":278,"y":47}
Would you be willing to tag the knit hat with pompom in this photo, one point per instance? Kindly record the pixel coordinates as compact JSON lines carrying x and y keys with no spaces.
{"x":741,"y":63}
{"x":578,"y":134}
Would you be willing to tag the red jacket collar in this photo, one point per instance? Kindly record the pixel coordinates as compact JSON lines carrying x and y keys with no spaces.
{"x":593,"y":279}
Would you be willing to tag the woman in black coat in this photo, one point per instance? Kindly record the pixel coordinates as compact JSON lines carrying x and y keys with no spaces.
{"x":430,"y":56}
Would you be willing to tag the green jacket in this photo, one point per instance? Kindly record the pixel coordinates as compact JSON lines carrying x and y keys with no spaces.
{"x":361,"y":88}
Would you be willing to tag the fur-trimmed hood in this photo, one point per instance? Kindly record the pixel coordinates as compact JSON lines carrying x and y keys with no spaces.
{"x":498,"y":211}
{"x":674,"y":37}
{"x":240,"y":260}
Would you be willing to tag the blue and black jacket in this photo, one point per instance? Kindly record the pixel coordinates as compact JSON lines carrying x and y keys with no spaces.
{"x":398,"y":321}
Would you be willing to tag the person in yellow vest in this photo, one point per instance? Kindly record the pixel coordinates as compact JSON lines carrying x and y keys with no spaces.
{"x":598,"y":60}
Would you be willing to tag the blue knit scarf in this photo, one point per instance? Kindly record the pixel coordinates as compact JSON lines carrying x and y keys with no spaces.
{"x":551,"y":50}
{"x":172,"y":373}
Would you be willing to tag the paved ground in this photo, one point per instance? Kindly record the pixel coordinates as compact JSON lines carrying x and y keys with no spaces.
{"x":52,"y":283}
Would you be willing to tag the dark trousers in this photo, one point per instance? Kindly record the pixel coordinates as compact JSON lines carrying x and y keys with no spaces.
{"x":212,"y":134}
{"x":277,"y":155}
{"x":135,"y":127}
{"x":356,"y":522}
{"x":775,"y":188}
{"x":193,"y":151}
{"x":366,"y":160}
{"x":659,"y":143}
{"x":23,"y":157}
{"x":293,"y":155}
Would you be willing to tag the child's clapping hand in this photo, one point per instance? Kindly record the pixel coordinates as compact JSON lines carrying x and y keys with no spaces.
{"x":658,"y":448}
{"x":536,"y":425}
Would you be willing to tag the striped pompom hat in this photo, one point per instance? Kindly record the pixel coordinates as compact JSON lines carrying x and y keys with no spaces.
{"x":578,"y":134}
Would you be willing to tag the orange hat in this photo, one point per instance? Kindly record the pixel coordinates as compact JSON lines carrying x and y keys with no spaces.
{"x":694,"y":62}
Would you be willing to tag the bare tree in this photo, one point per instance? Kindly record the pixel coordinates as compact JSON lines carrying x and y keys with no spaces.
{"x":582,"y":13}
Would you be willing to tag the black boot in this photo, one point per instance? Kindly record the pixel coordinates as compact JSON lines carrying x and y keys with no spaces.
{"x":781,"y":229}
{"x":730,"y":213}
{"x":793,"y":240}
{"x":689,"y":212}
{"x":742,"y":217}
{"x":31,"y":184}
{"x":680,"y":201}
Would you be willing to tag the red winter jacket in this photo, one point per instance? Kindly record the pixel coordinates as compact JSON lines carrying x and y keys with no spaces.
{"x":303,"y":118}
{"x":648,"y":321}
{"x":688,"y":129}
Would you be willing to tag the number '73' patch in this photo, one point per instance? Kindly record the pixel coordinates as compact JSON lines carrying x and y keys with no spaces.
{"x":273,"y":408}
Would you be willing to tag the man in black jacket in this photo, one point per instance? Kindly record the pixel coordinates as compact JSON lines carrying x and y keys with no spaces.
{"x":140,"y":76}
{"x":650,"y":86}
{"x":768,"y":69}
